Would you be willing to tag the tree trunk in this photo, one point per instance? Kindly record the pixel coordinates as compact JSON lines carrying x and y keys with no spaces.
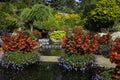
{"x":31,"y":28}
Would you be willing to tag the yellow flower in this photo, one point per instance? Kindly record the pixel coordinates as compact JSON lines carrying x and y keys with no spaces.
{"x":74,"y":16}
{"x":58,"y":16}
{"x":67,"y":17}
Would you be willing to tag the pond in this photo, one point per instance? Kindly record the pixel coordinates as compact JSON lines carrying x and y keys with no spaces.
{"x":45,"y":71}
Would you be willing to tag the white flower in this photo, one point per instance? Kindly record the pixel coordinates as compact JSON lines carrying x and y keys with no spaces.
{"x":115,"y":35}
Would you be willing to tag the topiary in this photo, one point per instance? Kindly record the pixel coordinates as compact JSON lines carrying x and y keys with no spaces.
{"x":40,"y":16}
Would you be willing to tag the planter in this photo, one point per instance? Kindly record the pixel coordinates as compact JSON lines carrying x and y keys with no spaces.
{"x":56,"y":40}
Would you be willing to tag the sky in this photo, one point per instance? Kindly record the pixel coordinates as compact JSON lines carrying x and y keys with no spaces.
{"x":77,"y":0}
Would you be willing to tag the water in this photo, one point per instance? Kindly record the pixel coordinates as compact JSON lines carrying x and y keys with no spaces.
{"x":52,"y":52}
{"x":45,"y":71}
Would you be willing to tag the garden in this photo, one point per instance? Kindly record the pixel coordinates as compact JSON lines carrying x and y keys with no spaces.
{"x":59,"y":40}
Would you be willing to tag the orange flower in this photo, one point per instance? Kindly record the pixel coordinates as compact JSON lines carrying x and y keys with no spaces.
{"x":93,"y":48}
{"x":19,"y":42}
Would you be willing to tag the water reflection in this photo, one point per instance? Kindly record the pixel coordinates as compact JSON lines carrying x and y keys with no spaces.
{"x":51,"y":52}
{"x":45,"y":71}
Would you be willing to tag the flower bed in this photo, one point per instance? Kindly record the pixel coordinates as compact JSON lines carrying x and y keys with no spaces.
{"x":19,"y":50}
{"x":77,"y":62}
{"x":18,"y":61}
{"x":80,"y":49}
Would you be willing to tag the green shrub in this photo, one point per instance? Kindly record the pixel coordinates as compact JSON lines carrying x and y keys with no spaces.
{"x":115,"y":27}
{"x":76,"y":61}
{"x":39,"y":16}
{"x":32,"y":36}
{"x":104,"y":14}
{"x":107,"y":75}
{"x":25,"y":14}
{"x":19,"y":59}
{"x":7,"y":21}
{"x":68,"y":19}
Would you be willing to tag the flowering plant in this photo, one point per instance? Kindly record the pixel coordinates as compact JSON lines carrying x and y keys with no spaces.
{"x":76,"y":62}
{"x":67,"y":19}
{"x":105,"y":39}
{"x":77,"y":49}
{"x":105,"y":43}
{"x":20,"y":42}
{"x":19,"y":51}
{"x":115,"y":56}
{"x":80,"y":43}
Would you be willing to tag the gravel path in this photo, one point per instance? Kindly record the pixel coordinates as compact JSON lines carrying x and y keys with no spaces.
{"x":104,"y":62}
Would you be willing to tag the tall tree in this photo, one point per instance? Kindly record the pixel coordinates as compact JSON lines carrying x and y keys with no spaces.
{"x":62,"y":4}
{"x":86,"y":6}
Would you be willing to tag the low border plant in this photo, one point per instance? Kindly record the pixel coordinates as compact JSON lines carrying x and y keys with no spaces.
{"x":77,"y":62}
{"x":18,"y":61}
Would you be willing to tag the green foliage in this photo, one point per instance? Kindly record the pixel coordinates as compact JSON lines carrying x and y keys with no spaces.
{"x":116,"y":27}
{"x":20,"y":59}
{"x":107,"y":10}
{"x":59,"y":34}
{"x":72,"y":19}
{"x":25,"y":13}
{"x":30,"y":34}
{"x":105,"y":13}
{"x":7,"y":22}
{"x":8,"y":16}
{"x":68,"y":19}
{"x":7,"y":7}
{"x":63,"y":5}
{"x":107,"y":75}
{"x":79,"y":60}
{"x":39,"y":16}
{"x":86,"y":6}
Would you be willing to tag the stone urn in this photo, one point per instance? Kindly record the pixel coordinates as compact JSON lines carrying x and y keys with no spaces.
{"x":56,"y":40}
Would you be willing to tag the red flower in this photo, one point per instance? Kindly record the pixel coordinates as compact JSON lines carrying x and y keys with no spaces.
{"x":20,"y":42}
